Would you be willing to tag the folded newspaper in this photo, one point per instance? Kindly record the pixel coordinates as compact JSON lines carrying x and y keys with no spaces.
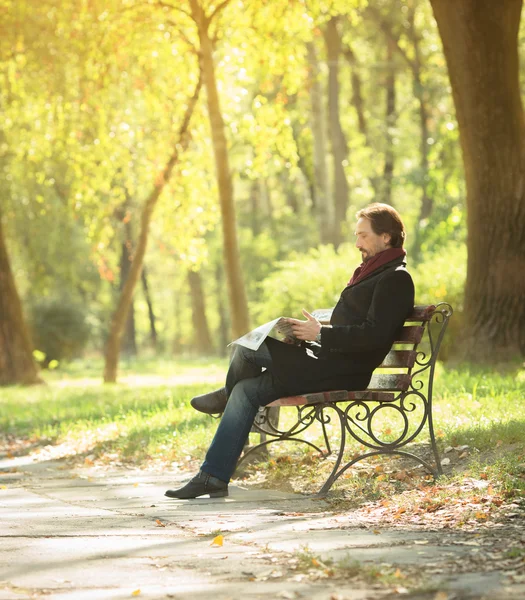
{"x":256,"y":337}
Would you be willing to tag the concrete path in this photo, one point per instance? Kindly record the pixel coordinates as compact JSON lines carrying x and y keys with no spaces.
{"x":90,"y":534}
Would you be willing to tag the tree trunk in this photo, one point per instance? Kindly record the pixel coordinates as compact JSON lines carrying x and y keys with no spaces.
{"x":236,"y":290}
{"x":178,"y":322}
{"x":480,"y":43}
{"x":223,"y":316}
{"x":121,"y":312}
{"x":129,"y":344}
{"x":337,"y":136}
{"x":151,"y":312}
{"x":322,"y":188}
{"x":359,"y":106}
{"x":255,"y":207}
{"x":427,"y":202}
{"x":16,"y":351}
{"x":307,"y":174}
{"x":390,"y":120}
{"x":201,"y":330}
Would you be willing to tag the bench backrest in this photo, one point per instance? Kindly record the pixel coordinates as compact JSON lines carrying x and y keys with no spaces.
{"x":395,"y":373}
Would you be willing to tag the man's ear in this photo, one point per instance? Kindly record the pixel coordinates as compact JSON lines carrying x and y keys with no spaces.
{"x":387,"y":238}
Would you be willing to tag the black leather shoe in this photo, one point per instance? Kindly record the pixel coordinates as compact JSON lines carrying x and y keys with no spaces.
{"x":203,"y":483}
{"x":211,"y":403}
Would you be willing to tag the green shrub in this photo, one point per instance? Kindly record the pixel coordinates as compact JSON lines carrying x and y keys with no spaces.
{"x":311,"y":280}
{"x":59,"y":329}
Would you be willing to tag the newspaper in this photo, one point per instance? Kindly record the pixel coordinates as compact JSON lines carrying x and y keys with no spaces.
{"x":256,"y":337}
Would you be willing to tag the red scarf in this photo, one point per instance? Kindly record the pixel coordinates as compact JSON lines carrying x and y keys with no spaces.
{"x":380,"y":259}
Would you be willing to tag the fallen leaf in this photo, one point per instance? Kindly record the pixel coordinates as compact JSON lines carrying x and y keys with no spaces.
{"x":159,"y":523}
{"x":399,"y":574}
{"x":218,"y":540}
{"x":136,"y":593}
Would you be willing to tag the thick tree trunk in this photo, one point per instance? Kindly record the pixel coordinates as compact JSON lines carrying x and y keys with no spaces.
{"x":121,"y":313}
{"x":323,"y":205}
{"x":16,"y":352}
{"x":201,"y":330}
{"x":337,"y":136}
{"x":480,"y":43}
{"x":151,"y":312}
{"x":236,"y":290}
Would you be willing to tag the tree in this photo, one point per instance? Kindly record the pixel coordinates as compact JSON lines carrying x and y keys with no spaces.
{"x":16,"y":351}
{"x":480,"y":44}
{"x":121,"y":313}
{"x":236,"y":290}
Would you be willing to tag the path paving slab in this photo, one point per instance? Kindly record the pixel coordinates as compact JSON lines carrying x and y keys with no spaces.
{"x":75,"y":534}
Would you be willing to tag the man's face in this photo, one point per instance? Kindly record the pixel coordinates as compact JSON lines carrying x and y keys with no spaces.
{"x":368,"y":242}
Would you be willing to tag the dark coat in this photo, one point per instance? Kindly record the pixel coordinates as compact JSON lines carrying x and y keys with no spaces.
{"x":364,"y":322}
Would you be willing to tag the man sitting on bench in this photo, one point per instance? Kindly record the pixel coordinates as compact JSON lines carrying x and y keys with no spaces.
{"x":371,"y":310}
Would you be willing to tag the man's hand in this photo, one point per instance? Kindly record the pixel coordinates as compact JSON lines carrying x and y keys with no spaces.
{"x":305,"y":330}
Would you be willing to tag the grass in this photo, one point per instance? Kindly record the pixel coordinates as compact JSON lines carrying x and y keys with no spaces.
{"x":146,"y":419}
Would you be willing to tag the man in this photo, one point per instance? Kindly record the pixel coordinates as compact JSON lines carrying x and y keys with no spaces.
{"x":371,"y":310}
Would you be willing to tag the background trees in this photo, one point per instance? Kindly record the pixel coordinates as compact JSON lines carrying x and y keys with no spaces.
{"x":311,"y":111}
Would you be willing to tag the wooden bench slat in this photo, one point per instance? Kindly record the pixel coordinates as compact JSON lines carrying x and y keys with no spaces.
{"x":422,"y":313}
{"x":334,"y":396}
{"x":410,"y":334}
{"x":399,"y":358}
{"x":396,"y":382}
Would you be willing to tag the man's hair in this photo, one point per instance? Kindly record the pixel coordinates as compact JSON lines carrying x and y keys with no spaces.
{"x":385,"y":219}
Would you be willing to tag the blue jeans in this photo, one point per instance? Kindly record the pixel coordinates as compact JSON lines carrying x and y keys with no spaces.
{"x":248,"y":388}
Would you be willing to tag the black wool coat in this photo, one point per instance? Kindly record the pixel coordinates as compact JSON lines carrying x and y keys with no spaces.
{"x":364,"y":324}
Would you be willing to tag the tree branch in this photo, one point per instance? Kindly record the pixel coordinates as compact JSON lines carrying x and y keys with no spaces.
{"x":386,"y":29}
{"x":162,"y":4}
{"x":218,"y":9}
{"x":184,"y":36}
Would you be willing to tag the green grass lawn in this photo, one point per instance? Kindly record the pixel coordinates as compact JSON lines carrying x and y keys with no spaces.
{"x":146,"y":419}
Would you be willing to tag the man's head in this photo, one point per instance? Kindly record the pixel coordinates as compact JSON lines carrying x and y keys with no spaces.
{"x":379,"y":227}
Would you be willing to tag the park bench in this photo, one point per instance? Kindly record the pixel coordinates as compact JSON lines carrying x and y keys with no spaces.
{"x":402,"y":384}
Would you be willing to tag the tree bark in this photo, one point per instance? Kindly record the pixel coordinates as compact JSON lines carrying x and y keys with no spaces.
{"x":255,"y":208}
{"x":223,"y":316}
{"x":122,"y":310}
{"x":385,"y":194}
{"x":151,"y":312}
{"x":236,"y":290}
{"x":323,"y":205}
{"x":337,"y":137}
{"x":129,"y":343}
{"x":481,"y":49}
{"x":17,"y":365}
{"x":427,"y":202}
{"x":201,"y":330}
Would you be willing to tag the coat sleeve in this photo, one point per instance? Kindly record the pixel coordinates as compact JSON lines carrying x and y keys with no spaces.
{"x":392,"y":302}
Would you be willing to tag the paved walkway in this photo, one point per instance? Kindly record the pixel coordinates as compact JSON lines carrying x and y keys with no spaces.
{"x":93,"y":535}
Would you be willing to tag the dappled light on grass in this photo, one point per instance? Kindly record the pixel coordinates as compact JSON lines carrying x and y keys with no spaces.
{"x":479,"y":420}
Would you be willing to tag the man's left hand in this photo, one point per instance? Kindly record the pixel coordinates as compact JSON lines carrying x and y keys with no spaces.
{"x":305,"y":330}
